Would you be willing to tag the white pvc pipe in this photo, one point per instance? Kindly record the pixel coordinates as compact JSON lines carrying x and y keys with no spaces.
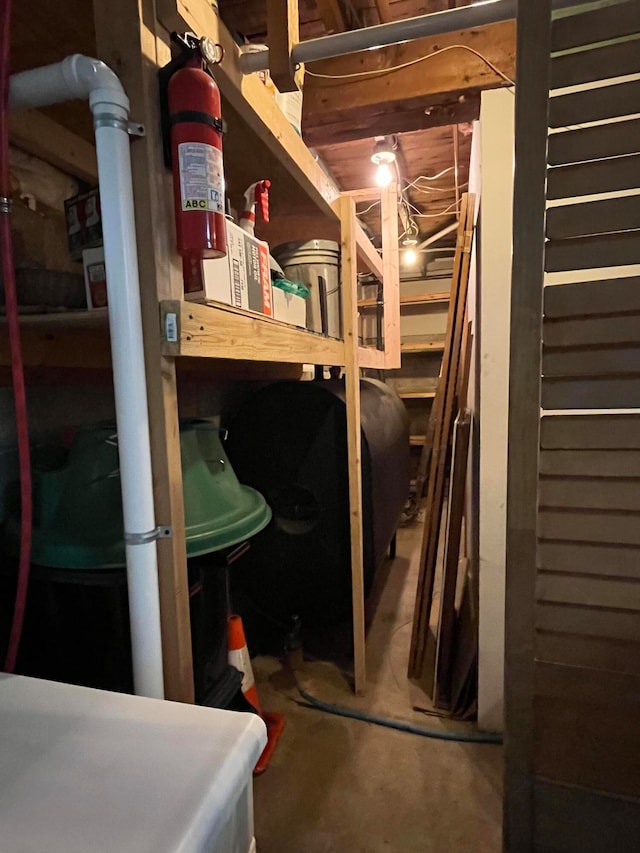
{"x":82,"y":77}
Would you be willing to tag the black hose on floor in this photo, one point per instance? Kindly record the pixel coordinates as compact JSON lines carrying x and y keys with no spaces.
{"x":339,"y":711}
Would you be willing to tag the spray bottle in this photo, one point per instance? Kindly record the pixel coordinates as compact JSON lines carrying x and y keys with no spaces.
{"x":257,"y":193}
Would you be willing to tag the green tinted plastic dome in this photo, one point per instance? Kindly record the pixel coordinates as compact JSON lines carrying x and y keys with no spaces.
{"x":78,"y":506}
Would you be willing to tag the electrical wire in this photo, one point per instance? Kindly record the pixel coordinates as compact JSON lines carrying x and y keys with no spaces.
{"x":415,"y":212}
{"x":371,"y":206}
{"x":337,"y":710}
{"x":429,"y":190}
{"x":17,"y":368}
{"x":430,"y":177}
{"x":381,"y":71}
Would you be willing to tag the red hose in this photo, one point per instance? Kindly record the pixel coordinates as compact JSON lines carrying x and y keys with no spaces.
{"x":17,"y":369}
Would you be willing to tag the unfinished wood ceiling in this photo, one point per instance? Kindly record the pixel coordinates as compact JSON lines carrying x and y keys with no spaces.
{"x":421,"y":155}
{"x":321,"y":17}
{"x":345,"y":108}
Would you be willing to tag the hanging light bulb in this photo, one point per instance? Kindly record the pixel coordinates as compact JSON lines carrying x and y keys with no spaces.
{"x":409,"y":255}
{"x":383,"y":157}
{"x":383,"y":175}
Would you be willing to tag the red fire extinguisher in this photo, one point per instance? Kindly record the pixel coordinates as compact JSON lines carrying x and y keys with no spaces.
{"x":195,"y":127}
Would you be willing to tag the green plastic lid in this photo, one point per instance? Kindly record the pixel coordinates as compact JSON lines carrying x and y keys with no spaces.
{"x":78,"y":506}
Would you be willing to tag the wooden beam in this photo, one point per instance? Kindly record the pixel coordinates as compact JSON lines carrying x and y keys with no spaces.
{"x":366,"y":194}
{"x":284,"y":34}
{"x":391,"y":276}
{"x":411,"y":114}
{"x":127,"y":41}
{"x":453,"y":71}
{"x":367,"y":253}
{"x":386,"y":269}
{"x":371,"y":358}
{"x":354,"y":438}
{"x":423,"y":346}
{"x":411,"y":299}
{"x":38,"y":135}
{"x":52,"y":345}
{"x":204,"y":331}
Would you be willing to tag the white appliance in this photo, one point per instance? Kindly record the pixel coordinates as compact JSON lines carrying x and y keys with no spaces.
{"x":88,"y":771}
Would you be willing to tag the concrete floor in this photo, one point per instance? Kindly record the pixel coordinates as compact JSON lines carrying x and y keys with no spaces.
{"x":337,"y":785}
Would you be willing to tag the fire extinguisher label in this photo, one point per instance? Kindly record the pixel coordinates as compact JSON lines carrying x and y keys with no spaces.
{"x":201,"y":177}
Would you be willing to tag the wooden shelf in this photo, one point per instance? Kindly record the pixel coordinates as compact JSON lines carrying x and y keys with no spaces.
{"x":417,"y":395}
{"x":417,"y":440}
{"x":220,"y":331}
{"x":418,"y":299}
{"x":371,"y":358}
{"x":423,"y":346}
{"x":96,"y":319}
{"x":70,"y":339}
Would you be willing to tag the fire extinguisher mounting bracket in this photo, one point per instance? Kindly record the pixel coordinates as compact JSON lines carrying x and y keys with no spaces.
{"x":188,"y":45}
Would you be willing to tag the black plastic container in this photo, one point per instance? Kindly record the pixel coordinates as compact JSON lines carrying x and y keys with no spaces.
{"x":289,"y":441}
{"x":76,"y":627}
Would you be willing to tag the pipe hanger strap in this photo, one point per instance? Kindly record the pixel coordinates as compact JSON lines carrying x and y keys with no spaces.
{"x":162,"y":532}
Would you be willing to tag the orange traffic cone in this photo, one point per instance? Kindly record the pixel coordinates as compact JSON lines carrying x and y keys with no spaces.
{"x":239,"y":657}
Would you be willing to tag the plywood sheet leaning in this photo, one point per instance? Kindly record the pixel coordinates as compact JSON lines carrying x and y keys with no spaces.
{"x":443,"y":416}
{"x":455,"y":510}
{"x":436,"y":649}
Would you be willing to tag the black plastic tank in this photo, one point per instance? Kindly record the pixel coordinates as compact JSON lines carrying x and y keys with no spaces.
{"x":289,"y":441}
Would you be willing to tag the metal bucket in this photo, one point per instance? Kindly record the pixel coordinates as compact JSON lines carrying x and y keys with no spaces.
{"x":316,"y":264}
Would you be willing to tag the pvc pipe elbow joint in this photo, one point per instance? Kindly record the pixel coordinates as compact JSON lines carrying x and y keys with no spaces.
{"x":98,"y":82}
{"x":75,"y":77}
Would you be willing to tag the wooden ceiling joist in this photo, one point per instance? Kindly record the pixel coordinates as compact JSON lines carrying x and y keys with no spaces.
{"x":455,"y":70}
{"x":405,"y":117}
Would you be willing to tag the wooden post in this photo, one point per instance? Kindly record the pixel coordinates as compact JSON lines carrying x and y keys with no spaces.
{"x":352,"y":388}
{"x":126,"y":40}
{"x":532,"y":105}
{"x":391,"y":276}
{"x":284,"y":34}
{"x":387,"y":268}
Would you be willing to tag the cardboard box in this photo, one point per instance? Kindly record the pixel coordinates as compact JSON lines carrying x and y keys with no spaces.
{"x":242,"y":279}
{"x":237,"y":262}
{"x":218,"y":283}
{"x":258,"y":276}
{"x":84,"y":223}
{"x":289,"y":308}
{"x":95,"y":278}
